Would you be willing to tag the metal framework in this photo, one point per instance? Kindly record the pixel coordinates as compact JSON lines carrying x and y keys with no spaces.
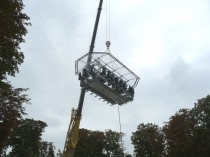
{"x":107,"y":77}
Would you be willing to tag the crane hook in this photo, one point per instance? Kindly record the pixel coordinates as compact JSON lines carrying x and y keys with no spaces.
{"x":108,"y":43}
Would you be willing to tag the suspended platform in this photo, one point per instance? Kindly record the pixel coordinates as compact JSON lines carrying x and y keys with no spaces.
{"x":106,"y":77}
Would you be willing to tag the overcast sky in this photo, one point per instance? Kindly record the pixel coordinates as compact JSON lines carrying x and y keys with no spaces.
{"x":165,"y":42}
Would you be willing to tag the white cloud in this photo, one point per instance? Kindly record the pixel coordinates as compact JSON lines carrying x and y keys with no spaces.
{"x":165,"y":42}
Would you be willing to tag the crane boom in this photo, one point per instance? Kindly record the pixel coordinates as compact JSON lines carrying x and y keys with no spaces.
{"x":72,"y":133}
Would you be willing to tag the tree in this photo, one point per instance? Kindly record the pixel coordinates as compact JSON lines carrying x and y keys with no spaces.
{"x":47,"y":149}
{"x":11,"y":111}
{"x":188,"y":132}
{"x":26,"y":139}
{"x":201,"y":112}
{"x":98,"y":144}
{"x":148,"y":141}
{"x":59,"y":153}
{"x":180,"y":134}
{"x":113,"y":145}
{"x":12,"y":29}
{"x":90,"y":143}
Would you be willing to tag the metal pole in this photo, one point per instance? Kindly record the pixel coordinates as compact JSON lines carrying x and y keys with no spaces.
{"x":81,"y":100}
{"x":94,"y":32}
{"x":82,"y":94}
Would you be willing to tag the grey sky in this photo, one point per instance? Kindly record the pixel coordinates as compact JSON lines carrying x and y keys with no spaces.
{"x":165,"y":42}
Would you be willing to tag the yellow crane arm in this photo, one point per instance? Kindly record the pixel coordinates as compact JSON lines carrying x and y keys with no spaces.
{"x":72,"y":135}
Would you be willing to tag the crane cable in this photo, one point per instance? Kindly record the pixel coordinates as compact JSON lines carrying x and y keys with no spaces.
{"x":108,"y":43}
{"x":121,"y":142}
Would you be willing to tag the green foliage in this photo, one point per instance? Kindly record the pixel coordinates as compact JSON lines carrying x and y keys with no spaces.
{"x":98,"y":144}
{"x":12,"y":30}
{"x":46,"y":149}
{"x":27,"y":142}
{"x":186,"y":134}
{"x":112,"y":147}
{"x":179,"y":134}
{"x":201,"y":112}
{"x":23,"y":136}
{"x":59,"y":153}
{"x":11,"y":110}
{"x":89,"y":143}
{"x":26,"y":139}
{"x":148,"y":141}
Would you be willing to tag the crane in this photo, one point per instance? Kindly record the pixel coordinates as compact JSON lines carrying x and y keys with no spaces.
{"x":101,"y":74}
{"x":72,"y":133}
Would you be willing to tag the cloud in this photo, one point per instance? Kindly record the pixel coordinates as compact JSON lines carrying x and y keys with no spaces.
{"x":179,"y":75}
{"x":165,"y":42}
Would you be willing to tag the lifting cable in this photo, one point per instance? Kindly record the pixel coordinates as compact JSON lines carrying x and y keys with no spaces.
{"x":121,"y":143}
{"x":108,"y":43}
